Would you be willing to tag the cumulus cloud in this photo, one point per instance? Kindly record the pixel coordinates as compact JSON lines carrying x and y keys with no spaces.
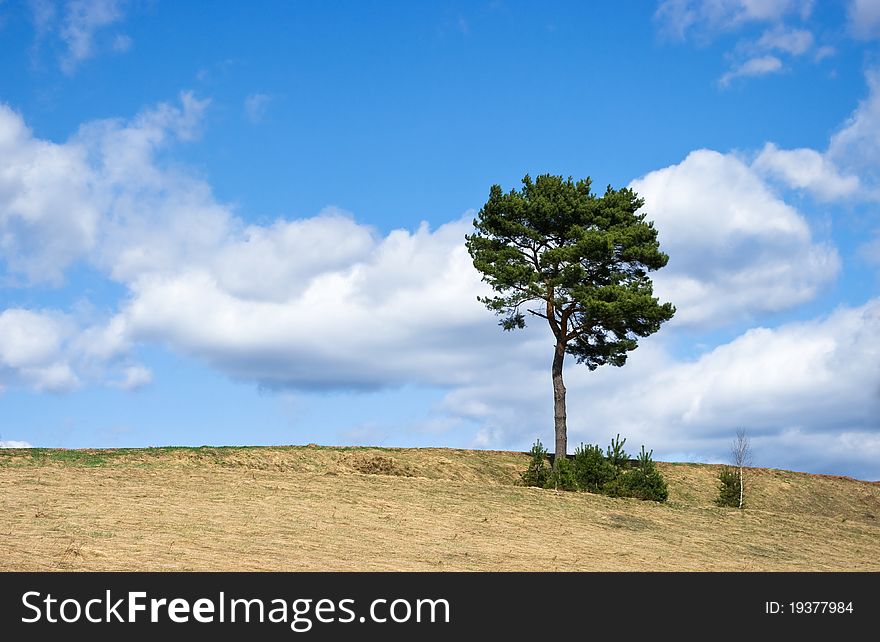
{"x":55,"y":351}
{"x":62,"y":202}
{"x":313,"y":302}
{"x":100,"y":197}
{"x":846,"y":169}
{"x":352,"y":310}
{"x":806,"y":169}
{"x":735,"y":248}
{"x":325,"y":301}
{"x":32,"y":350}
{"x":48,"y":212}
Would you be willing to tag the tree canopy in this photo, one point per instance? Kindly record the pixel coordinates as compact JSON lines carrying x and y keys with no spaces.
{"x":557,"y":251}
{"x":584,"y":258}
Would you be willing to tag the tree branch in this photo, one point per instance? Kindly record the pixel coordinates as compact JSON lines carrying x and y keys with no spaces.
{"x":578,"y":330}
{"x":537,"y":314}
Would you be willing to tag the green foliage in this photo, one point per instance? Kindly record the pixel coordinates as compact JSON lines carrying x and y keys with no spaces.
{"x":642,"y":482}
{"x":580,"y":260}
{"x":616,"y":455}
{"x":591,"y":470}
{"x":645,"y":459}
{"x":639,"y":485}
{"x":616,"y":487}
{"x":537,"y":474}
{"x":728,"y":487}
{"x":562,"y":475}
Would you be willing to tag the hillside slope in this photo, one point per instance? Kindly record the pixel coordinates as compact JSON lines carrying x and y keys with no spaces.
{"x":314,"y":508}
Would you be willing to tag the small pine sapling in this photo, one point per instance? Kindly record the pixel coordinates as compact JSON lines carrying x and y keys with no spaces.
{"x":538,"y":473}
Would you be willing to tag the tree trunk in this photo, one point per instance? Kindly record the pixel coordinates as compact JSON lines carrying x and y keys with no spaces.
{"x":559,"y":402}
{"x":740,"y":486}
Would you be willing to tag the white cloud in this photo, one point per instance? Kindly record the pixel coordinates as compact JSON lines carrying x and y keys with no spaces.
{"x":795,"y":42}
{"x":823,"y":52}
{"x":53,"y":351}
{"x":82,"y":20}
{"x":856,"y":145}
{"x":89,"y":197}
{"x":255,"y":107}
{"x":735,"y":249}
{"x":32,"y":350}
{"x":778,"y":41}
{"x":324,"y":301}
{"x":48,"y":214}
{"x":846,"y":169}
{"x":381,"y":311}
{"x":276,"y":262}
{"x":14,"y":444}
{"x":864,"y":18}
{"x":134,"y":378}
{"x":758,"y":66}
{"x":680,"y":18}
{"x":806,"y":169}
{"x":760,"y":57}
{"x":78,"y":26}
{"x":797,"y":389}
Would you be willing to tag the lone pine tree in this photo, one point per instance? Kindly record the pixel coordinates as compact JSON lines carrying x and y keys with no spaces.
{"x":557,"y":251}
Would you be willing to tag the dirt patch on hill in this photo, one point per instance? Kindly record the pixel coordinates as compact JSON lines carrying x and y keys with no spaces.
{"x":378,"y":465}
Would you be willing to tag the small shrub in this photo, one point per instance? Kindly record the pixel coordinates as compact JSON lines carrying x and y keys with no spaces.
{"x":591,"y":470}
{"x":537,"y":474}
{"x":562,"y":475}
{"x":728,"y":487}
{"x":643,"y":482}
{"x":610,"y":474}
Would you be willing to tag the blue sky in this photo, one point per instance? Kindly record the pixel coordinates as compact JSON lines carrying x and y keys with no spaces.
{"x":222,"y":225}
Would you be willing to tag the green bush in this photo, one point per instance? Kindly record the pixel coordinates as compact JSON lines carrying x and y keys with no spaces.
{"x":562,"y":475}
{"x":728,"y":487}
{"x":537,"y":474}
{"x":642,"y":482}
{"x":610,"y":474}
{"x":591,"y":470}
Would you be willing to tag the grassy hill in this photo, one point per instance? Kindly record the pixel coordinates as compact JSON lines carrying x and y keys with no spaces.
{"x":316,"y":508}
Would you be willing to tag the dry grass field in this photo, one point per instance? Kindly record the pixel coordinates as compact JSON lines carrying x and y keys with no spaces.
{"x":315,"y":508}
